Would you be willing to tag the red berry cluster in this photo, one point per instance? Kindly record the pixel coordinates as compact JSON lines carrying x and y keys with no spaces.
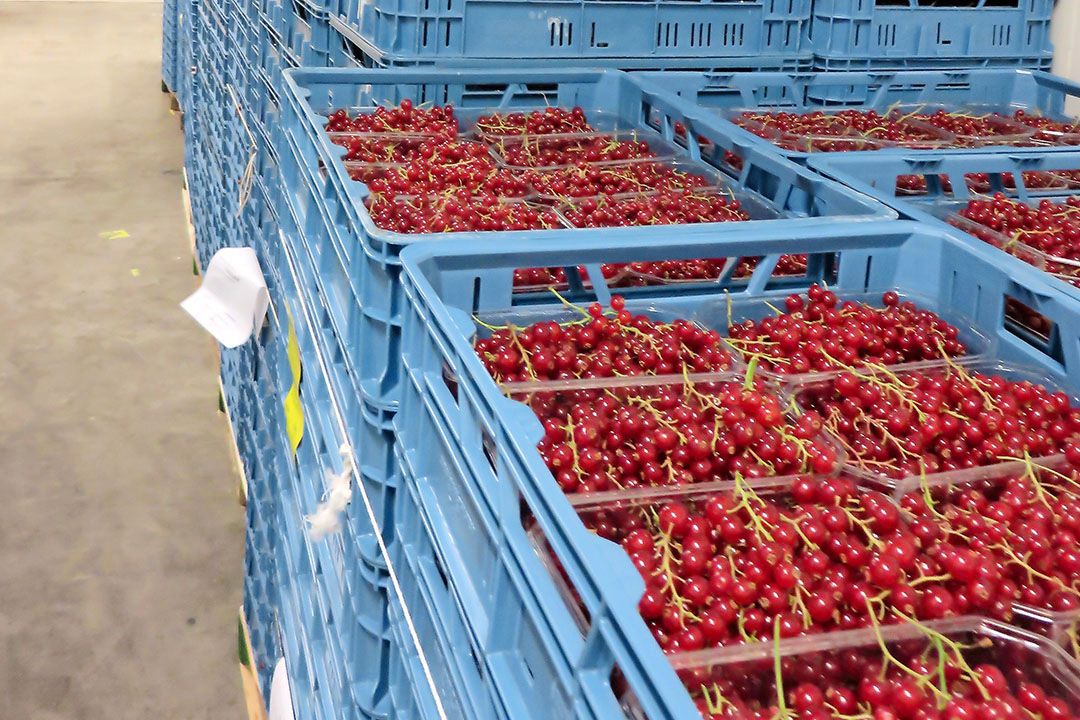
{"x":818,"y":332}
{"x":735,"y":566}
{"x":957,"y":675}
{"x":437,"y":120}
{"x":601,"y":345}
{"x":1005,"y":540}
{"x":632,"y":436}
{"x":666,"y":207}
{"x":462,"y":212}
{"x":932,"y":420}
{"x":583,"y":180}
{"x":865,"y":129}
{"x":552,"y":151}
{"x":550,"y":121}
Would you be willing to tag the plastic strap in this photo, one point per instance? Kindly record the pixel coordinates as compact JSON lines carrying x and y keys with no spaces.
{"x":349,"y":456}
{"x":247,"y":179}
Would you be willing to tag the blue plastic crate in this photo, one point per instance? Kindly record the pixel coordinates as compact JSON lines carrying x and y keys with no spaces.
{"x":339,"y":585}
{"x":351,"y":46}
{"x":1016,"y":174}
{"x":913,"y":34}
{"x":369,"y":426}
{"x":497,"y":436}
{"x":499,"y":608}
{"x":722,"y":94}
{"x":170,"y":43}
{"x":579,"y":31}
{"x":302,"y":28}
{"x":361,"y":260}
{"x":458,"y":667}
{"x":186,"y":23}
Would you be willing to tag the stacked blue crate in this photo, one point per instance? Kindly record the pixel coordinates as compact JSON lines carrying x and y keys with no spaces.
{"x":347,"y":278}
{"x":749,"y":35}
{"x":186,"y":22}
{"x":436,"y":599}
{"x":170,"y":45}
{"x":496,"y":515}
{"x":915,"y":34}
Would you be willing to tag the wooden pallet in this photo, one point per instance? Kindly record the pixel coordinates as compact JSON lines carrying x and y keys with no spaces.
{"x":174,"y":104}
{"x":253,"y":697}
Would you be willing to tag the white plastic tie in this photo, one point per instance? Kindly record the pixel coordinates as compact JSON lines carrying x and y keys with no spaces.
{"x":327,"y":516}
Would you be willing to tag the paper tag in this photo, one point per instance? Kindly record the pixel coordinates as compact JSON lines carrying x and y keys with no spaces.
{"x":294,"y":410}
{"x":281,"y":707}
{"x":232,"y":300}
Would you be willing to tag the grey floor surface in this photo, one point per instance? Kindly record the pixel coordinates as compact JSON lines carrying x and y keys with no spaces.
{"x":121,"y":541}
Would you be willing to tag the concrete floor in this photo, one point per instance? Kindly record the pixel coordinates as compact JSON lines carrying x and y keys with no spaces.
{"x":121,"y":540}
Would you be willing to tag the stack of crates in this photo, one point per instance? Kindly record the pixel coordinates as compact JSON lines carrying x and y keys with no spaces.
{"x":459,"y":581}
{"x":747,"y":35}
{"x":341,"y":275}
{"x":916,"y":34}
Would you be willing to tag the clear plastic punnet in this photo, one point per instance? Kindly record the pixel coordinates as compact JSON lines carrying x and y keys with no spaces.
{"x":400,"y":179}
{"x":437,"y":212}
{"x":966,"y":664}
{"x":542,"y":152}
{"x":495,"y":124}
{"x":671,"y":207}
{"x":388,"y":147}
{"x":1020,"y":244}
{"x":725,"y":313}
{"x":1044,"y":491}
{"x":971,"y":125}
{"x":577,"y":182}
{"x":835,"y":130}
{"x":624,"y":433}
{"x":898,"y":427}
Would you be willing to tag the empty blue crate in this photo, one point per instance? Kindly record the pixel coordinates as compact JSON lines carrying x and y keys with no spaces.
{"x":496,"y":437}
{"x":726,"y":96}
{"x":750,"y":34}
{"x":932,"y":188}
{"x":914,"y":34}
{"x":356,"y":263}
{"x":303,"y":29}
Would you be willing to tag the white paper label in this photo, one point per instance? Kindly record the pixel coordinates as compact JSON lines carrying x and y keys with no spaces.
{"x":231,"y":303}
{"x":280,"y":695}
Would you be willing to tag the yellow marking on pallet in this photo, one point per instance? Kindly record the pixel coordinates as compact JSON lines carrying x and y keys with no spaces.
{"x":113,"y":234}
